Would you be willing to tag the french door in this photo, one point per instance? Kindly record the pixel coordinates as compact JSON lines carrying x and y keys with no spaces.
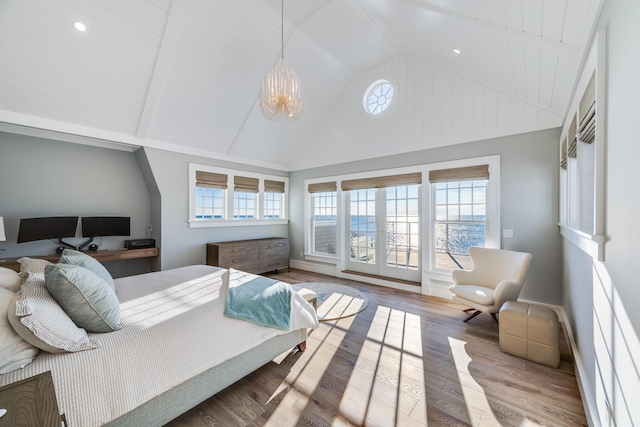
{"x":384,"y":237}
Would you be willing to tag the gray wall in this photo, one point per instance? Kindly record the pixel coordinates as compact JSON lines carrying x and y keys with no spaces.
{"x":42,"y":177}
{"x":529,"y":199}
{"x":601,"y":298}
{"x":182,"y":245}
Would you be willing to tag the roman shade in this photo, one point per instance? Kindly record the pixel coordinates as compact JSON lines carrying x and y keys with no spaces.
{"x":563,"y":154}
{"x":459,"y":174}
{"x":382,"y":181}
{"x":587,"y":129}
{"x":245,"y":184}
{"x":572,"y":149}
{"x":211,"y":180}
{"x":273,"y":186}
{"x":323,"y":187}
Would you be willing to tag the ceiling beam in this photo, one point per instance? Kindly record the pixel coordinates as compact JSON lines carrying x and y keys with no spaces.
{"x":161,"y":68}
{"x":491,"y":26}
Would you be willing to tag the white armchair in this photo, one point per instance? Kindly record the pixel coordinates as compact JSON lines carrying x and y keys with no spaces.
{"x":497,"y":276}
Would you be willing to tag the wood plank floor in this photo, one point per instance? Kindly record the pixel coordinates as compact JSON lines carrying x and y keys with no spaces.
{"x":407,"y":360}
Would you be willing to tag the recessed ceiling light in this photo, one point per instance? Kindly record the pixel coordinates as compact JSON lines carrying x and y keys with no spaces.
{"x":456,"y":51}
{"x":80,"y":26}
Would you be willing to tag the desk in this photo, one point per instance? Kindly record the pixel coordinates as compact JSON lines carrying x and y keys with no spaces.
{"x":102,"y":256}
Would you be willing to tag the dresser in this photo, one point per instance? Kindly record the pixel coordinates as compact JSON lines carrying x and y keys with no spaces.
{"x":253,"y":256}
{"x":30,"y":403}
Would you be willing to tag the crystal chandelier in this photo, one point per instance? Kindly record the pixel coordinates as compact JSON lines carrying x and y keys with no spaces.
{"x":280,"y":89}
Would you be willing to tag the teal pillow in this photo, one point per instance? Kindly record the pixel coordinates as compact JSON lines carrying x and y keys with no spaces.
{"x":69,"y":256}
{"x":86,"y":298}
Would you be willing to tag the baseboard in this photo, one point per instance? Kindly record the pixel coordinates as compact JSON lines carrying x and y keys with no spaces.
{"x":557,"y":308}
{"x":329,"y":270}
{"x":585,"y":391}
{"x":379,"y":281}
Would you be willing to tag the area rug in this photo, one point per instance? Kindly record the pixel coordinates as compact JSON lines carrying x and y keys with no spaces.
{"x":337,"y":301}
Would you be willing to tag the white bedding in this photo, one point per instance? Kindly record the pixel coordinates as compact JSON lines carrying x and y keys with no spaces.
{"x":173,"y":329}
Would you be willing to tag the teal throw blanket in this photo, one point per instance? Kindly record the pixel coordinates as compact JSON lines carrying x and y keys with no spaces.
{"x":263,"y":301}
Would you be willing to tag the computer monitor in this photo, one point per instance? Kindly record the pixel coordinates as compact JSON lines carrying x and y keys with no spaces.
{"x":45,"y":228}
{"x":96,"y":226}
{"x":99,"y":226}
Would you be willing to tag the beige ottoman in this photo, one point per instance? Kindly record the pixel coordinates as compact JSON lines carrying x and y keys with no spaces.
{"x":531,"y":332}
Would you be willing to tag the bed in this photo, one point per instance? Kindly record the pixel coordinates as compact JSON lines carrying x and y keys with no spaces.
{"x":174,"y":350}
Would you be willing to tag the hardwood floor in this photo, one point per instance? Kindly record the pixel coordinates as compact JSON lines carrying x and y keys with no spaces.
{"x":407,"y":360}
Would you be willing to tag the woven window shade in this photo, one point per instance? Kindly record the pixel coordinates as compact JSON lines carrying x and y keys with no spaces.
{"x":211,"y":180}
{"x":323,"y":187}
{"x":563,"y":154}
{"x":460,"y":174}
{"x":572,"y":150}
{"x":273,"y":186}
{"x":246,"y":185}
{"x":587,"y":129}
{"x":382,"y":181}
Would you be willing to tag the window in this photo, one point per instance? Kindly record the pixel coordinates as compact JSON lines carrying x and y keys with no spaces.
{"x":272,"y":205}
{"x":378,"y":97}
{"x":324,"y":215}
{"x":460,"y":221}
{"x":244,"y":205}
{"x":273,"y":198}
{"x":226,"y":197}
{"x":209,"y":203}
{"x":459,"y":214}
{"x":210,"y":192}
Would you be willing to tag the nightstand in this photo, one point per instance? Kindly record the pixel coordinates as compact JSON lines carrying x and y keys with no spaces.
{"x":31,"y":403}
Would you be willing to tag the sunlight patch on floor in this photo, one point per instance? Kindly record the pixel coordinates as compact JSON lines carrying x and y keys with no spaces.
{"x":480,"y":412}
{"x":387,"y":383}
{"x":306,"y":374}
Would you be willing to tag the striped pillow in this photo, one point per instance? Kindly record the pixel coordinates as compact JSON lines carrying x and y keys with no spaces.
{"x":46,"y":321}
{"x":31,"y":266}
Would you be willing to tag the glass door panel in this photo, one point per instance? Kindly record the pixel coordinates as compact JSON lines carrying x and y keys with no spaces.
{"x":384,"y":234}
{"x":402,"y":233}
{"x":362,"y":231}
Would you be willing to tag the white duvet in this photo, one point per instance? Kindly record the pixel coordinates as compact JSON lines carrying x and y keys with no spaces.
{"x":173,"y":329}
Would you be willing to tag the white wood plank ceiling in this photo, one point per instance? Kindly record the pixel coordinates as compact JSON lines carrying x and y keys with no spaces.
{"x":183,"y":74}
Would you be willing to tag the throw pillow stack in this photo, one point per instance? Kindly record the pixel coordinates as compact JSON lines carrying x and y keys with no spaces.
{"x":51,"y":307}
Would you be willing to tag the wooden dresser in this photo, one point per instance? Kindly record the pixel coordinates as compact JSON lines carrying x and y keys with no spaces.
{"x":253,"y":256}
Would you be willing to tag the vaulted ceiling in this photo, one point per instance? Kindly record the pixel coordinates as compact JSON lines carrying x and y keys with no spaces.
{"x":183,"y":75}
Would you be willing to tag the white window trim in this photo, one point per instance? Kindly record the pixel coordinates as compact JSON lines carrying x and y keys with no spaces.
{"x":590,"y":239}
{"x":492,"y":205}
{"x":229,"y":221}
{"x":309,"y":253}
{"x":434,"y":281}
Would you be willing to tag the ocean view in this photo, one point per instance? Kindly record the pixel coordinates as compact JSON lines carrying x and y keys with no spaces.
{"x":453,"y":238}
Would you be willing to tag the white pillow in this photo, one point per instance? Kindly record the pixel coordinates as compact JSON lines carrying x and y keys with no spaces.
{"x":45,"y":320}
{"x":15,"y":352}
{"x":9,"y":279}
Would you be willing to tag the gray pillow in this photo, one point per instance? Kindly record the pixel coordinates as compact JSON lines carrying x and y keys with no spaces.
{"x":69,"y":256}
{"x":86,"y":298}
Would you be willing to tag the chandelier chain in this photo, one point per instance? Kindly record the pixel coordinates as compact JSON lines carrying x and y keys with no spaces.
{"x":282,"y":29}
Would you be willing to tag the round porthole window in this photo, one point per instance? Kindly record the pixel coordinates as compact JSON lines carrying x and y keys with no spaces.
{"x":378,"y":97}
